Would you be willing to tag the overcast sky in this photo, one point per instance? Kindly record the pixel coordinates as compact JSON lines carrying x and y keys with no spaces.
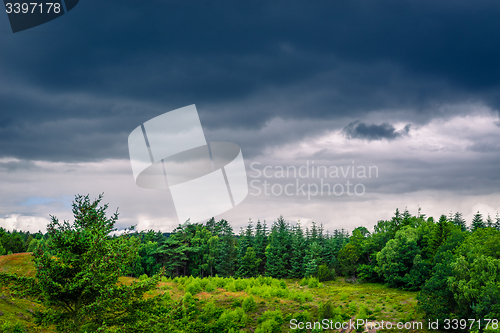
{"x":410,"y":88}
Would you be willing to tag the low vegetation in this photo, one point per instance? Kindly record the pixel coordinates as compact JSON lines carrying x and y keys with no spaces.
{"x":81,"y":277}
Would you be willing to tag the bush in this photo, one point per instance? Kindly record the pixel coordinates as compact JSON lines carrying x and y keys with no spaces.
{"x":249,"y":304}
{"x":231,"y":319}
{"x":303,"y":317}
{"x":240,"y":284}
{"x":352,"y":309}
{"x":143,"y":277}
{"x":326,"y":310}
{"x":219,"y":282}
{"x":275,"y":315}
{"x":303,"y":282}
{"x":369,"y":273}
{"x":188,"y":298}
{"x":210,"y":311}
{"x":268,"y":326}
{"x":12,"y":328}
{"x":209,"y":287}
{"x":313,"y":282}
{"x":194,"y":287}
{"x":231,"y":286}
{"x":324,"y":273}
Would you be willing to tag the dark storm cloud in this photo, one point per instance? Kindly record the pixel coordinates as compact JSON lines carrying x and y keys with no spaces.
{"x":17,"y":165}
{"x":112,"y":65}
{"x":360,"y":130}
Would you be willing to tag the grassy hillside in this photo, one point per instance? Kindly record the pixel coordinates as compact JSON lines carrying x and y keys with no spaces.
{"x":300,"y":299}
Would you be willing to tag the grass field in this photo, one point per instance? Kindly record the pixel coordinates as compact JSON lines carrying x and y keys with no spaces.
{"x":303,"y":300}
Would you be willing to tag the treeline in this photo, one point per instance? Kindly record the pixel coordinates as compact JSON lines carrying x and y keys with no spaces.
{"x":456,"y":268}
{"x":18,"y":241}
{"x":280,"y":251}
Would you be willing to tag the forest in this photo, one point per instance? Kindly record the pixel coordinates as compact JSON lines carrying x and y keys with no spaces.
{"x":452,"y":268}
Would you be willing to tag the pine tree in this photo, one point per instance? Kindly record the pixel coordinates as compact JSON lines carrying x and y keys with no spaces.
{"x":312,"y":259}
{"x":78,"y":281}
{"x":459,"y":221}
{"x":477,"y":222}
{"x":497,"y":222}
{"x":278,"y":250}
{"x":311,"y":268}
{"x":260,"y":243}
{"x":489,"y":221}
{"x":298,"y":253}
{"x":245,"y":241}
{"x":226,"y":249}
{"x":249,"y":264}
{"x":439,"y":234}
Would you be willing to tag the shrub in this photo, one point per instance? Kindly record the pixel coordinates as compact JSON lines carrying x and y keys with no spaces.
{"x":324,"y":273}
{"x":303,"y":317}
{"x":303,"y":282}
{"x":326,"y":310}
{"x":313,"y":282}
{"x":352,"y":309}
{"x":188,"y":298}
{"x":249,"y":304}
{"x":268,"y":326}
{"x":203,"y":282}
{"x":231,"y":286}
{"x":143,"y":277}
{"x":275,"y":315}
{"x":194,"y":287}
{"x":368,"y":273}
{"x":240,"y":284}
{"x":210,"y":311}
{"x":219,"y":282}
{"x":12,"y":328}
{"x":231,"y":319}
{"x":209,"y":287}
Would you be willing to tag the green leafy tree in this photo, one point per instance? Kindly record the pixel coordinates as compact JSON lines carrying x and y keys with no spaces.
{"x":348,"y":259}
{"x":436,"y":300}
{"x":397,"y":257}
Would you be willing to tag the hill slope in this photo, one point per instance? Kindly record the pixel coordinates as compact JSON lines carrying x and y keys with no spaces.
{"x":298,"y":299}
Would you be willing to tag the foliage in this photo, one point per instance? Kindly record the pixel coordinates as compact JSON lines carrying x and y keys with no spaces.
{"x":77,"y":278}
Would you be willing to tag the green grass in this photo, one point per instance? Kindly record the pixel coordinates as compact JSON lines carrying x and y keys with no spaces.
{"x":293,"y":298}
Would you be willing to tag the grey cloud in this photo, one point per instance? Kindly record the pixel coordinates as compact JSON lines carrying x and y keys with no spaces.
{"x":18,"y":165}
{"x":361,"y":130}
